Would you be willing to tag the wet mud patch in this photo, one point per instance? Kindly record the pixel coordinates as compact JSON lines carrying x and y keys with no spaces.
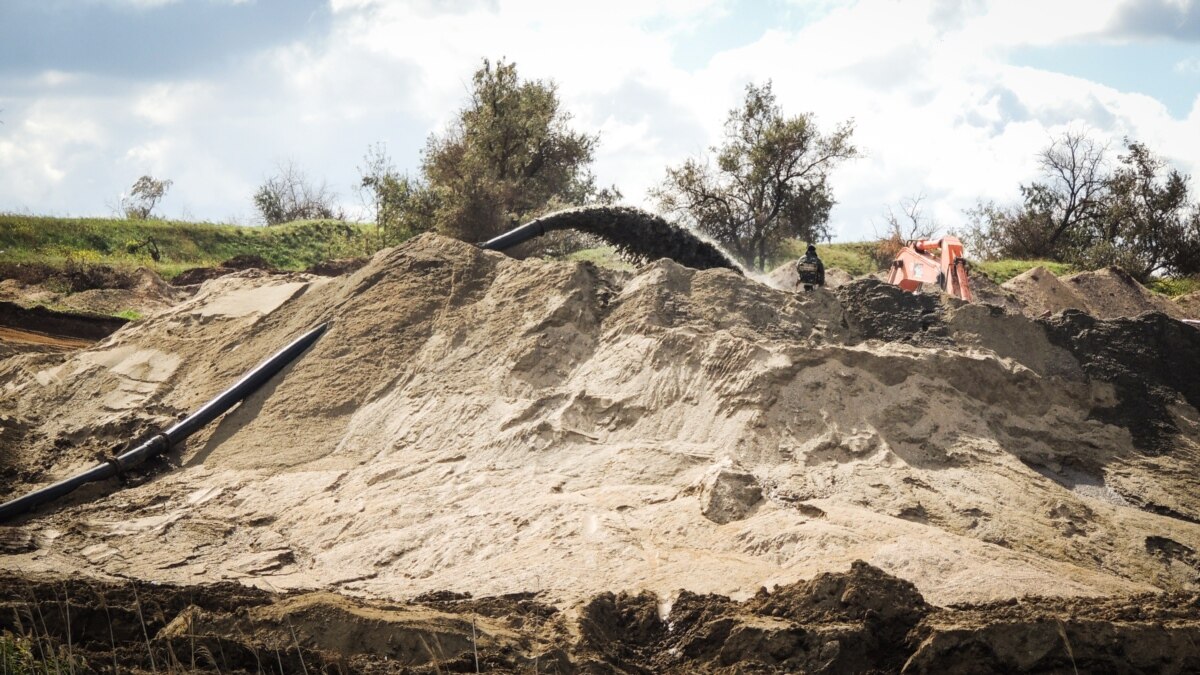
{"x":638,"y":235}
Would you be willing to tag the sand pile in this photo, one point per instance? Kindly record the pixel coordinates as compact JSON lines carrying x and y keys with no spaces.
{"x":1111,"y":293}
{"x":1108,"y":294}
{"x":477,"y":423}
{"x":1189,"y":304}
{"x":1039,"y":292}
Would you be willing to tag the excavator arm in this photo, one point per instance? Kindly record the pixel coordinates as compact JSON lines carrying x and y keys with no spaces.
{"x":938,"y":262}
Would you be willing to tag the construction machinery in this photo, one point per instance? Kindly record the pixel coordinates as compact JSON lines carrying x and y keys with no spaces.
{"x":927,"y":261}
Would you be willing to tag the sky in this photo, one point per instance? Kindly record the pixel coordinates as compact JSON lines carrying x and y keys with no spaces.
{"x":951,"y":99}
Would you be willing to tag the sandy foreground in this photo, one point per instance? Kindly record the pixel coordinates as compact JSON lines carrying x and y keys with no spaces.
{"x":482,"y":425}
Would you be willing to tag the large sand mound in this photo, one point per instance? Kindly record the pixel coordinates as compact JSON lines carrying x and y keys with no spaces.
{"x":477,"y":423}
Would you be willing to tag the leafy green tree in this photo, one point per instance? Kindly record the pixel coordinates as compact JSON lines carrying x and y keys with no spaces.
{"x":1057,"y":212}
{"x":1084,"y":211}
{"x":508,"y":153}
{"x":143,"y":197}
{"x":770,"y":182}
{"x":403,"y":205}
{"x":1149,"y":225}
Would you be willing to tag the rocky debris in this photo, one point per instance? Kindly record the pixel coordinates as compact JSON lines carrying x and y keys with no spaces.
{"x":876,"y":310}
{"x":728,"y":495}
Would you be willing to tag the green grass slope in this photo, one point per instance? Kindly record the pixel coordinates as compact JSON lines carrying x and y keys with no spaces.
{"x":182,"y":245}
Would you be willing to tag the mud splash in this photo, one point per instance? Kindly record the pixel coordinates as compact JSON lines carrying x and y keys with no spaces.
{"x":639,"y":235}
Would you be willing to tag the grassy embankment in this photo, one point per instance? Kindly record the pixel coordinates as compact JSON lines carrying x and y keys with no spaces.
{"x":59,"y":242}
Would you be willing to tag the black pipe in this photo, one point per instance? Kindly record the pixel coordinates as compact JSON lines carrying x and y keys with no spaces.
{"x":518,"y":235}
{"x":162,"y":442}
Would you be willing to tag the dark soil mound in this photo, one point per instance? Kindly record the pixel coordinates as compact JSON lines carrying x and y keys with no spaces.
{"x":247,"y":262}
{"x":198,"y":275}
{"x":74,"y":277}
{"x":876,"y":310}
{"x":862,"y":621}
{"x":59,"y":324}
{"x":1151,"y":360}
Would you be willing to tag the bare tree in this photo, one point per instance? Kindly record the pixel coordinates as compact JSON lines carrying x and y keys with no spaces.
{"x":1075,"y":169}
{"x":910,"y":224}
{"x":288,"y":196}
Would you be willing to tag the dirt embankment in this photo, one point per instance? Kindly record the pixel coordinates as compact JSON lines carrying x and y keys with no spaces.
{"x":93,"y":289}
{"x":863,"y":620}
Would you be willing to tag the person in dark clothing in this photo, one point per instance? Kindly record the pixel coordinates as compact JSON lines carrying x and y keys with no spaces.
{"x":810,"y":269}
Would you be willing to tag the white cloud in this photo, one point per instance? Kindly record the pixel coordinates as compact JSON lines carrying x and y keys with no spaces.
{"x":938,"y":108}
{"x":1189,"y":66}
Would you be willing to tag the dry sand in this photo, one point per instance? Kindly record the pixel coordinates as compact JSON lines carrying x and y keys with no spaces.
{"x":477,"y":423}
{"x":1111,"y":293}
{"x":1039,"y":291}
{"x":1107,"y":293}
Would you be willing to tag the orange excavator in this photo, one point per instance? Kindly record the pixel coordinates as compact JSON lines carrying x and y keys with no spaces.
{"x":928,"y":261}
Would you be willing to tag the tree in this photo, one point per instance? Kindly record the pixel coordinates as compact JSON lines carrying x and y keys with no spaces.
{"x":143,"y":197}
{"x":1073,"y":195}
{"x":508,"y":153}
{"x":1149,"y":226}
{"x":770,"y":183}
{"x":403,"y":205}
{"x":1137,"y":215}
{"x":1058,"y":213}
{"x":288,"y":196}
{"x":911,"y":224}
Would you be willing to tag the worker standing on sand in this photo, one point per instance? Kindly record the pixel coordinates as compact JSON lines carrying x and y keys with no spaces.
{"x":810,"y":269}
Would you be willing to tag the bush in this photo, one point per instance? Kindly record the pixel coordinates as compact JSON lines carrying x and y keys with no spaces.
{"x":289,"y":196}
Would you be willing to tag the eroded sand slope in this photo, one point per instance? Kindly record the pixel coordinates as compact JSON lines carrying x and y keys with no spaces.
{"x":482,"y":424}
